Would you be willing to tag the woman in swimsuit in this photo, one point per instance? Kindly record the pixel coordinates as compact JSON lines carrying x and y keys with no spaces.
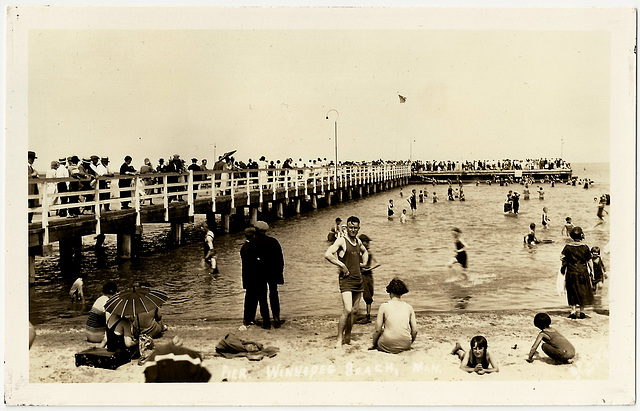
{"x":396,"y":326}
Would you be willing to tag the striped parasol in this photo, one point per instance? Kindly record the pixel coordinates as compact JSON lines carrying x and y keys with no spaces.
{"x":131,"y":303}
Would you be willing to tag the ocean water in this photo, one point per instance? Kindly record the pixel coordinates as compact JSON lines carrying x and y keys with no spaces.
{"x":503,"y":273}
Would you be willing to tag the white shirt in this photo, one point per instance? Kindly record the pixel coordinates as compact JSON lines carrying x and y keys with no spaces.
{"x":100,"y":169}
{"x":62,"y":172}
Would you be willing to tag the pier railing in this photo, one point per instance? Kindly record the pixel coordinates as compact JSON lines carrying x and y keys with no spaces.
{"x":101,"y":195}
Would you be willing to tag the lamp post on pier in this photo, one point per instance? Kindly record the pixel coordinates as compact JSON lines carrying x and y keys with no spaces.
{"x":335,"y":140}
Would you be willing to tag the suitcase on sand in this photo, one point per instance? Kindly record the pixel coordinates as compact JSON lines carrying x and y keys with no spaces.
{"x":102,"y":358}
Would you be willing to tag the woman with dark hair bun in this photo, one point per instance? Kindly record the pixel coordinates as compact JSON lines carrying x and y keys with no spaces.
{"x":396,"y":327}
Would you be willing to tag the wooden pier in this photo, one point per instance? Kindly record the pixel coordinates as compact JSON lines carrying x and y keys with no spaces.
{"x":175,"y":198}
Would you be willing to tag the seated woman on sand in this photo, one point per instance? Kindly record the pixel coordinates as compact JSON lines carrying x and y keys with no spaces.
{"x":119,"y":336}
{"x":478,"y":359}
{"x":149,"y":323}
{"x":97,"y":321}
{"x":396,"y":327}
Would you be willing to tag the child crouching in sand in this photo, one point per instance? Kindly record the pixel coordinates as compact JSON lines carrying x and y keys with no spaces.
{"x":553,"y":343}
{"x":478,"y":359}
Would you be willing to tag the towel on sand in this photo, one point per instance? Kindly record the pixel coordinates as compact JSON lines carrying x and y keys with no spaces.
{"x":231,"y":347}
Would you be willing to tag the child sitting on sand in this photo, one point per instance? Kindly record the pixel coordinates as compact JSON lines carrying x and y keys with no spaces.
{"x":553,"y":343}
{"x":435,"y":197}
{"x":478,"y":359}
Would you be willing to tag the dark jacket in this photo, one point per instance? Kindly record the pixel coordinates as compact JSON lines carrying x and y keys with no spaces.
{"x":269,"y":258}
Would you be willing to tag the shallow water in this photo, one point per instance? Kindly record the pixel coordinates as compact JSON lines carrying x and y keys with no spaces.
{"x":503,"y":273}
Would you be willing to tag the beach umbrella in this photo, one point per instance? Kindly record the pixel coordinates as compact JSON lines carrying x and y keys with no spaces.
{"x":227,"y":154}
{"x":131,"y":303}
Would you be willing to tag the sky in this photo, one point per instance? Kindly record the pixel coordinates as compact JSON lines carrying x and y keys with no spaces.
{"x":470,"y":94}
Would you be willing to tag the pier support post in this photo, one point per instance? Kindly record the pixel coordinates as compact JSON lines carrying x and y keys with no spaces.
{"x":70,"y":255}
{"x":360,"y":191}
{"x":125,"y":244}
{"x":314,"y":201}
{"x":340,"y":195}
{"x":280,"y":210}
{"x":32,"y":269}
{"x":329,"y":198}
{"x":254,"y":215}
{"x":298,"y":204}
{"x":176,"y":233}
{"x":350,"y":194}
{"x":239,"y":218}
{"x":226,"y":222}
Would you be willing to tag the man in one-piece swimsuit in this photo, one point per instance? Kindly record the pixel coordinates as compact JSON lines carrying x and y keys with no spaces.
{"x":349,"y":277}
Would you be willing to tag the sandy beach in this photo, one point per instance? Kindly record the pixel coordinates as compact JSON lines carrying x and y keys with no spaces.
{"x":308,"y":354}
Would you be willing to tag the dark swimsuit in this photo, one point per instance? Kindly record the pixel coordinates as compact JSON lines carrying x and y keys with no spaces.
{"x":351,"y":259}
{"x":114,"y":341}
{"x":461,"y":256}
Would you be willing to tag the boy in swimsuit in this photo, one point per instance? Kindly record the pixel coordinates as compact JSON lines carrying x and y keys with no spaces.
{"x":209,"y":252}
{"x":367,"y":279}
{"x":461,"y":251}
{"x":349,"y":275}
{"x":413,"y":203}
{"x":545,"y":218}
{"x":403,"y":216}
{"x":390,"y":211}
{"x":531,"y":237}
{"x":568,"y":226}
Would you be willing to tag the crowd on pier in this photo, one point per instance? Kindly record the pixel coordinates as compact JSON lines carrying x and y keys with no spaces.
{"x":496,"y":165}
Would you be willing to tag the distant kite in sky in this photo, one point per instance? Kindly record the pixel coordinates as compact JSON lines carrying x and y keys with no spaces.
{"x":403,"y":99}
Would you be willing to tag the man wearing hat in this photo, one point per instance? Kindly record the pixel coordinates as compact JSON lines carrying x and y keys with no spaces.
{"x":76,"y":172}
{"x":196,"y":177}
{"x":147,"y":168}
{"x":162,"y":168}
{"x":174,"y":166}
{"x":126,"y":169}
{"x":52,"y":188}
{"x":101,"y":168}
{"x":254,"y":282}
{"x":62,"y":172}
{"x":33,"y":187}
{"x":269,"y":265}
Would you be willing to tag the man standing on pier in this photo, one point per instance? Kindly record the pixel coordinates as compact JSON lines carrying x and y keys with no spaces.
{"x":348,"y":253}
{"x":270,"y":264}
{"x":126,"y":169}
{"x":33,"y":188}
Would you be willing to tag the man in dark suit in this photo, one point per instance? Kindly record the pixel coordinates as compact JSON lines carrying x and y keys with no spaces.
{"x":270,"y":263}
